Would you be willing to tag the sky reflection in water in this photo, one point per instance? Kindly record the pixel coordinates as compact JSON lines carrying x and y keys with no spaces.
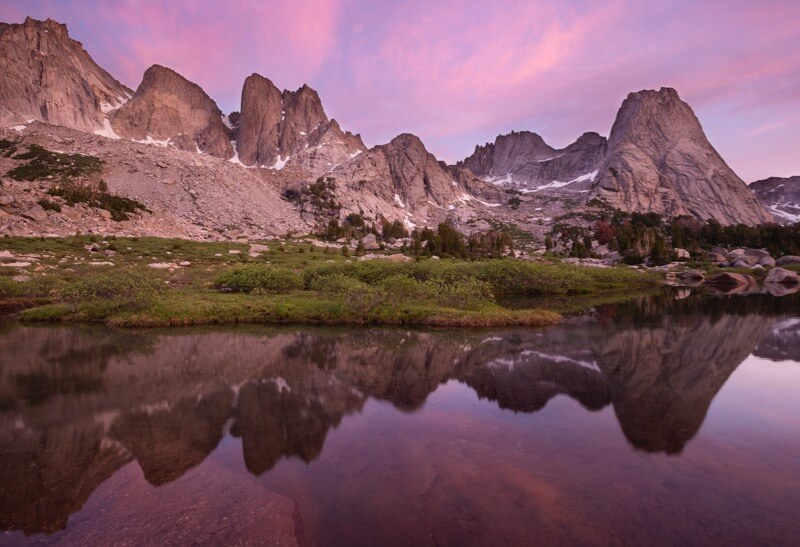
{"x":597,"y":430}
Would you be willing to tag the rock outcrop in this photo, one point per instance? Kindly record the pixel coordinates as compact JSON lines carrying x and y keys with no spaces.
{"x":278,"y":127}
{"x":659,"y":160}
{"x":47,"y":76}
{"x":402,"y":180}
{"x":780,"y":196}
{"x":169,"y":109}
{"x":524,"y":161}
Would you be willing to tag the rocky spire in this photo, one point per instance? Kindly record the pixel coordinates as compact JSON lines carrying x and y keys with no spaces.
{"x":660,"y":160}
{"x":276,"y":127}
{"x":169,"y":108}
{"x":48,"y":76}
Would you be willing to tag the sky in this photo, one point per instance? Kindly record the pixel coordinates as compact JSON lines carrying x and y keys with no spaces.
{"x":458,"y":73}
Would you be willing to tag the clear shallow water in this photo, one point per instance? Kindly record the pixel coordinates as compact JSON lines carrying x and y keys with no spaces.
{"x":663,"y":422}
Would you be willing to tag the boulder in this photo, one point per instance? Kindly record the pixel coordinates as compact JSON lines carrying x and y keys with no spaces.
{"x":717,"y":258}
{"x":736,"y":253}
{"x":745,"y":261}
{"x":767,"y":262}
{"x":399,"y":258}
{"x":681,"y":253}
{"x":759,"y":253}
{"x":258,"y":248}
{"x":782,"y":276}
{"x":370,"y":242}
{"x":787,"y":260}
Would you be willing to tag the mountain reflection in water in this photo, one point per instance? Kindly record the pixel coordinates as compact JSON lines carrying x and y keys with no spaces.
{"x":79,"y":403}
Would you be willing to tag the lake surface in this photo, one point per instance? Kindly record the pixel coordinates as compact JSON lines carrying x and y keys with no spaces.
{"x":672,"y":420}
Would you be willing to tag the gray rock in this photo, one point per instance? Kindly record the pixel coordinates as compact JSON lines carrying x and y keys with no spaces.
{"x":370,"y":242}
{"x":767,"y":262}
{"x":681,"y":253}
{"x":36,"y":213}
{"x":745,"y":261}
{"x":6,"y":200}
{"x":787,"y":260}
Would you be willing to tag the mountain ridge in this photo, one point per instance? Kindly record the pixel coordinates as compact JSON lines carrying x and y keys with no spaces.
{"x":282,"y":140}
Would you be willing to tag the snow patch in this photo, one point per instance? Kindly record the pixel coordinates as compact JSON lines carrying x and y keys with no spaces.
{"x":281,"y":384}
{"x":784,"y":214}
{"x":235,"y":159}
{"x":19,"y":128}
{"x":107,"y":131}
{"x":398,"y":201}
{"x":280,"y":163}
{"x":226,"y":121}
{"x":560,"y":184}
{"x":354,"y":154}
{"x":549,"y":159}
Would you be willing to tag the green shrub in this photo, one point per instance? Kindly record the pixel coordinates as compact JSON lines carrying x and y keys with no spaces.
{"x":44,"y":164}
{"x":48,"y":205}
{"x":260,"y":278}
{"x":131,"y":290}
{"x":359,"y":297}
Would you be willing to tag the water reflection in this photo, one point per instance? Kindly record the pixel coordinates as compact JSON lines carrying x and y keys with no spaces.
{"x":79,"y":403}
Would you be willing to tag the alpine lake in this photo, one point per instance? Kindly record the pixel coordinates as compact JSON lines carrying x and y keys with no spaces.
{"x":668,"y":420}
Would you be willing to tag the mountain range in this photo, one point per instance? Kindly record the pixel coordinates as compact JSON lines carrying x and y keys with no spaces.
{"x":202,"y":173}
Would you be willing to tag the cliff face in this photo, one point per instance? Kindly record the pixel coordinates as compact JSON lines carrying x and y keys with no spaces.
{"x":47,"y":76}
{"x":659,"y":160}
{"x":169,"y":108}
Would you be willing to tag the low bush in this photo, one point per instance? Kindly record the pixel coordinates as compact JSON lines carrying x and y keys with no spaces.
{"x":259,"y":278}
{"x":131,"y":290}
{"x":48,"y":205}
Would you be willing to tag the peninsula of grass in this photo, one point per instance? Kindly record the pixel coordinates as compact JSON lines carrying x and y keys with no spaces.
{"x":151,"y":282}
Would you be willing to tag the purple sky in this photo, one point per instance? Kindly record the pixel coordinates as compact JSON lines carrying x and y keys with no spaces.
{"x":457,"y":73}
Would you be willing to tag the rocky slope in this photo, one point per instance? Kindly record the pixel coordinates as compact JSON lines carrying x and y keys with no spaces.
{"x":279,"y":127}
{"x":781,"y":197}
{"x":660,"y":160}
{"x":45,"y":75}
{"x":524,"y":161}
{"x":188,"y":194}
{"x":170,"y":109}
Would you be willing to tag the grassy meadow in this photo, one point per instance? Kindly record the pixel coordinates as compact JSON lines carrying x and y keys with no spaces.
{"x":148,"y":282}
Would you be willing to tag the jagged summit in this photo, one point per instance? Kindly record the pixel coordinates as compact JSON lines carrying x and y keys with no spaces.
{"x":781,"y":197}
{"x":277,"y":127}
{"x":524,"y":161}
{"x":660,"y":160}
{"x":45,"y":75}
